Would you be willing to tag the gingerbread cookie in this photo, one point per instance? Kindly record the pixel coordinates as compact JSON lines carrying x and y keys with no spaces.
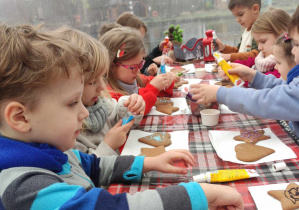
{"x":167,"y":108}
{"x":215,"y":68}
{"x":250,"y":152}
{"x":289,"y":198}
{"x":152,"y":152}
{"x":180,"y":83}
{"x":157,"y":139}
{"x":251,"y":136}
{"x":225,"y":83}
{"x":163,"y":100}
{"x":177,"y":85}
{"x":177,"y":70}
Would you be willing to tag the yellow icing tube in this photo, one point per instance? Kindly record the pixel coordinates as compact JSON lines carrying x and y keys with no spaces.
{"x":236,"y":80}
{"x":225,"y":175}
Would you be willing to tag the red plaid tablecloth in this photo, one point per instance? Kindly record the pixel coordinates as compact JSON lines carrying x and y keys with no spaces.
{"x":205,"y":155}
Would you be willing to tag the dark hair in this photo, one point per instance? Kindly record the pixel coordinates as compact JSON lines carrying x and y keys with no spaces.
{"x":130,"y":20}
{"x":287,"y":46}
{"x":294,"y":21}
{"x":245,"y":3}
{"x":107,"y":27}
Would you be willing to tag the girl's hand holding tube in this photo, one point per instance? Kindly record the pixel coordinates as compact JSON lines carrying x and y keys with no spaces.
{"x":160,"y":81}
{"x":152,"y":69}
{"x":204,"y":94}
{"x":135,"y":104}
{"x":167,"y":60}
{"x":117,"y":135}
{"x":244,"y":72}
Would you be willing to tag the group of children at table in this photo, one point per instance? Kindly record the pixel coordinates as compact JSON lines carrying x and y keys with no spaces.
{"x":63,"y":95}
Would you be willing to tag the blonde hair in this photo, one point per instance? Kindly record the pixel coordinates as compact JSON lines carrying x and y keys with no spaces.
{"x":134,"y":45}
{"x":99,"y":59}
{"x":130,"y":20}
{"x":31,"y":59}
{"x":274,"y":21}
{"x":294,"y":23}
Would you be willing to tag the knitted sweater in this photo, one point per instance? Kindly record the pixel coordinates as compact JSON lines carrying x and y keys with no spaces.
{"x":149,"y":92}
{"x":265,"y":65}
{"x":236,"y":55}
{"x":272,"y":98}
{"x":92,"y":142}
{"x":38,"y":176}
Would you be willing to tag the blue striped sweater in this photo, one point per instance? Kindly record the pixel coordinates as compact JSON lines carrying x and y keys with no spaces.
{"x":38,"y":176}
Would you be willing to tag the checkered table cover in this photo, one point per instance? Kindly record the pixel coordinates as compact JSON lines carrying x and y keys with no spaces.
{"x":205,"y":155}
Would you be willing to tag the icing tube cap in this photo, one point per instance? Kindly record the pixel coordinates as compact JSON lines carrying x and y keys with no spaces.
{"x":200,"y":178}
{"x":279,"y":166}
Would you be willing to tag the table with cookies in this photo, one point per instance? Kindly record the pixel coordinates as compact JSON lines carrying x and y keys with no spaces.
{"x":235,"y":141}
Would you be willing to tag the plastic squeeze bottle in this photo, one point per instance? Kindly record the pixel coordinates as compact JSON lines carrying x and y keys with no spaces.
{"x":236,"y":80}
{"x":214,"y":41}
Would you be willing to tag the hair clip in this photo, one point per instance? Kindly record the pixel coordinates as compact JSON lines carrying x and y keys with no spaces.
{"x":121,"y":51}
{"x":286,"y":37}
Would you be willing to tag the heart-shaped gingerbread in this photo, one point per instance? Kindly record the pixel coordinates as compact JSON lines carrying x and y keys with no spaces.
{"x":250,"y":152}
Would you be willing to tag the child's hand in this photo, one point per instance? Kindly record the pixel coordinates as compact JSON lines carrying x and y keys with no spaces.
{"x":135,"y":104}
{"x":164,"y":162}
{"x":152,"y":69}
{"x":167,"y":60}
{"x":161,"y":45}
{"x":176,"y":78}
{"x":222,"y":74}
{"x":221,"y":46}
{"x":222,"y":197}
{"x":204,"y":93}
{"x":244,"y":72}
{"x":226,"y":56}
{"x":160,"y":82}
{"x":117,"y":135}
{"x":170,"y":78}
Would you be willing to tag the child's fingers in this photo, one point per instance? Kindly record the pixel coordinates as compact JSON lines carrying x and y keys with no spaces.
{"x":182,"y":156}
{"x":126,"y":127}
{"x":177,"y":170}
{"x":136,"y":108}
{"x":126,"y":102}
{"x":132,"y":101}
{"x":186,"y":152}
{"x":140,"y":109}
{"x":118,"y":124}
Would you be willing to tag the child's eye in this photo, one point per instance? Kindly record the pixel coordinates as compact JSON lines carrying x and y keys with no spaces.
{"x":73,"y":104}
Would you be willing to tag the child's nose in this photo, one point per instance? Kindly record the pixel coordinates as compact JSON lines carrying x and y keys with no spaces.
{"x":83,"y":113}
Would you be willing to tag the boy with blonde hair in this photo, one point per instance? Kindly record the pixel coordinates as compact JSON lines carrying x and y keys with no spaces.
{"x":41,"y":114}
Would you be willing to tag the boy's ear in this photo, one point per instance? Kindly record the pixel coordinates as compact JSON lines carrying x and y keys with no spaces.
{"x":256,"y":8}
{"x":16,"y":118}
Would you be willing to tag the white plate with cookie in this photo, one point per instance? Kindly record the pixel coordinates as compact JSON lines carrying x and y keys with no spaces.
{"x":179,"y":140}
{"x":224,"y":144}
